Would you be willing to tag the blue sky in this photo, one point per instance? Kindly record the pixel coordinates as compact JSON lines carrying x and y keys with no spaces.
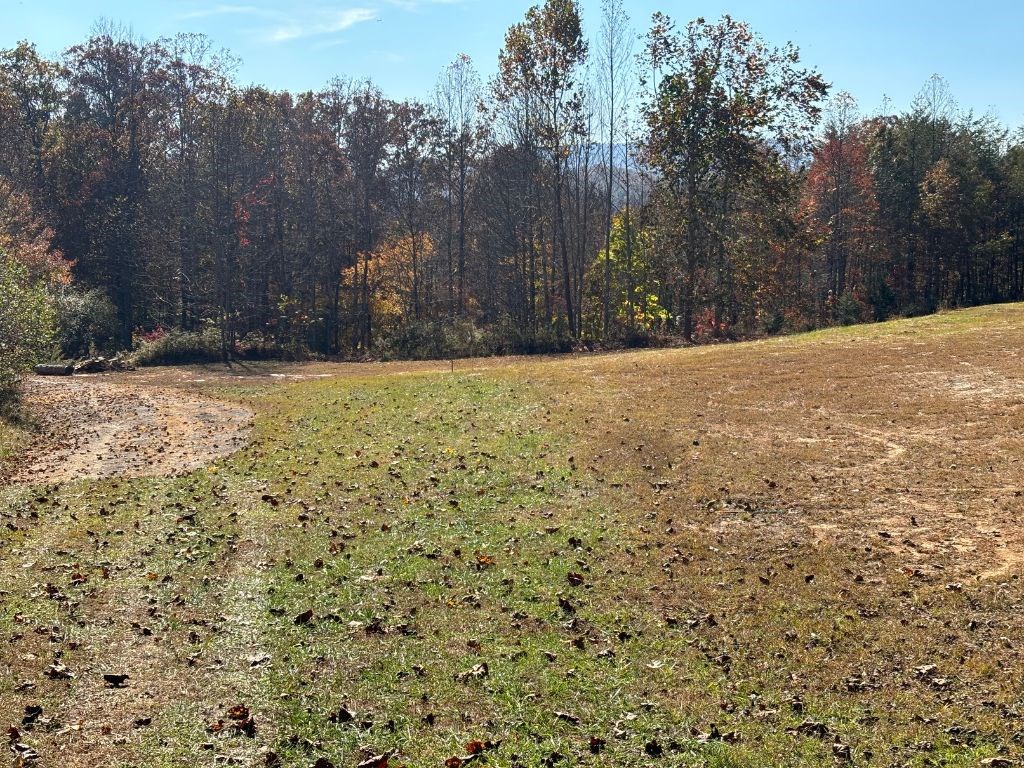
{"x":871,"y":48}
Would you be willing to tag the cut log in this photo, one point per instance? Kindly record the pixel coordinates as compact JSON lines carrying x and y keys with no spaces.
{"x":54,"y":369}
{"x":93,"y":365}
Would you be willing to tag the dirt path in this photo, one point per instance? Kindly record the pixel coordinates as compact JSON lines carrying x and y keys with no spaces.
{"x":109,"y":425}
{"x":159,"y":421}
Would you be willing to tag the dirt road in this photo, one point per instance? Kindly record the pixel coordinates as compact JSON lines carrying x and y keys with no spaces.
{"x":110,"y":425}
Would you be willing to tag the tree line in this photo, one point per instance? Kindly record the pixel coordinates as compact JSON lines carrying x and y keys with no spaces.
{"x":694,"y":182}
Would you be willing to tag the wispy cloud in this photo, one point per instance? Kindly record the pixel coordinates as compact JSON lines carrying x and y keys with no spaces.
{"x":320,"y":24}
{"x":303,"y":21}
{"x":415,"y":5}
{"x":227,"y":10}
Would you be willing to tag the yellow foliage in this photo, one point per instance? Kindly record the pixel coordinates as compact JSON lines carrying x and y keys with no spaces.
{"x":391,"y":275}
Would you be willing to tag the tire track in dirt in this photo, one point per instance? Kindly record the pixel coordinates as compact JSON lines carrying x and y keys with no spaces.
{"x":104,"y":426}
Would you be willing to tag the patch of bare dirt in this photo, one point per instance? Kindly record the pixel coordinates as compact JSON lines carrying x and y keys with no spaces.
{"x":906,"y":440}
{"x":118,"y":426}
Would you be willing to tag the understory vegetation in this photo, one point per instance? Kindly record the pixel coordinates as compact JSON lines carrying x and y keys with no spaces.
{"x":31,"y":277}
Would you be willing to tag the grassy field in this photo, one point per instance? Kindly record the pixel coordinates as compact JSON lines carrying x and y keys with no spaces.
{"x":798,"y":552}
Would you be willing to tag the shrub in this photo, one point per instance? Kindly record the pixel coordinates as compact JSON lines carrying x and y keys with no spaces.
{"x":432,"y":339}
{"x":179,"y":348}
{"x":773,"y":321}
{"x":508,"y":338}
{"x":26,"y":322}
{"x":86,"y":323}
{"x":882,"y":299}
{"x":849,"y":310}
{"x":443,"y":338}
{"x":256,"y":345}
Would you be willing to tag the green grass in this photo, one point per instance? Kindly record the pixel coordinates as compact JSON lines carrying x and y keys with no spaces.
{"x":416,"y":481}
{"x":929,"y":326}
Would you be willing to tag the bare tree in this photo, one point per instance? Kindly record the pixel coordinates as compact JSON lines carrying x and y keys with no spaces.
{"x":614,"y":55}
{"x":457,"y":98}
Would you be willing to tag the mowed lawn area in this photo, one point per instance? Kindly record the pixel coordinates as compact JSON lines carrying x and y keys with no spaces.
{"x":797,"y":552}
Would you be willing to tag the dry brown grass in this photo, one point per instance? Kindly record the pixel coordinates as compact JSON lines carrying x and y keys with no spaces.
{"x":906,"y":437}
{"x":848,"y":504}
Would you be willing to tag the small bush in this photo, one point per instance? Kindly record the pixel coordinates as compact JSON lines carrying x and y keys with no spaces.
{"x":179,"y":348}
{"x":507,"y":338}
{"x":443,"y":338}
{"x":432,"y":339}
{"x":256,"y":346}
{"x":261,"y":346}
{"x":849,"y":310}
{"x":882,"y":299}
{"x":26,"y":322}
{"x":774,"y":322}
{"x":86,"y":323}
